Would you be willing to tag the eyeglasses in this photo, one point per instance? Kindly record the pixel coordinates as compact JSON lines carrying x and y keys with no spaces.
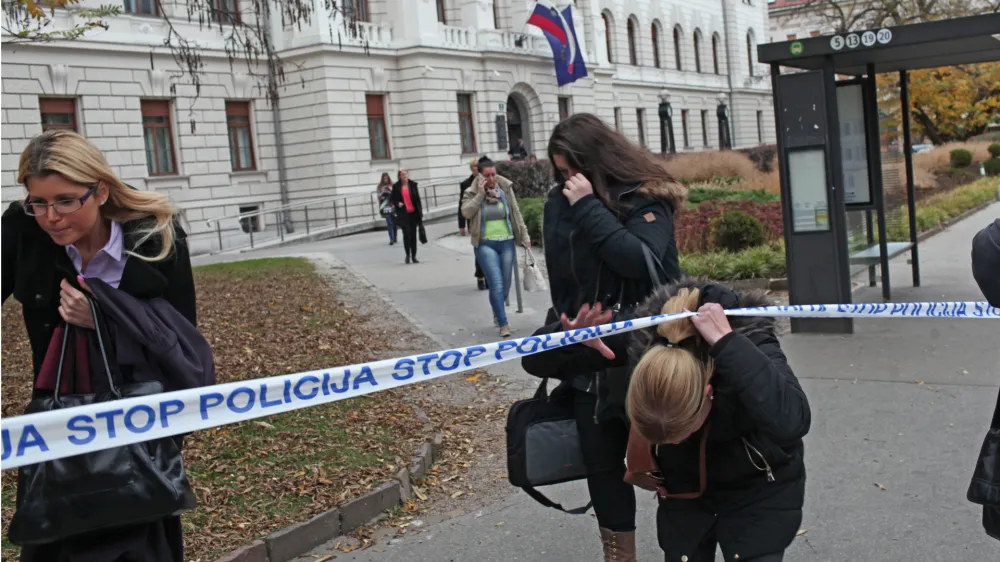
{"x":63,"y":206}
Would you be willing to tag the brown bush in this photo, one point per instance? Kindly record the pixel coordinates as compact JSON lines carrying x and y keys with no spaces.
{"x":695,"y":167}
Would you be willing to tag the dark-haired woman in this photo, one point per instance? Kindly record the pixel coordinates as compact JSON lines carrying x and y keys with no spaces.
{"x":384,"y":193}
{"x":613,"y":206}
{"x":409,"y":212}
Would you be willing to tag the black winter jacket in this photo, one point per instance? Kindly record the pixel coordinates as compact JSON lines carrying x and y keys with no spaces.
{"x":594,"y":253}
{"x":756,"y":473}
{"x":400,"y":205}
{"x":985,"y":486}
{"x":461,"y":194}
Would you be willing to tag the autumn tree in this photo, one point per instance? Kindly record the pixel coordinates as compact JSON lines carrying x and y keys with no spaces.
{"x":839,"y":16}
{"x":244,"y":27}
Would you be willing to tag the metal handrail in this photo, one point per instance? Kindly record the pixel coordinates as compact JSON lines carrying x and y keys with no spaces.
{"x":317,"y":201}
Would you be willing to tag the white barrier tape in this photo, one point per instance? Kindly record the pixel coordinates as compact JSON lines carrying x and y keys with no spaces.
{"x":45,"y":436}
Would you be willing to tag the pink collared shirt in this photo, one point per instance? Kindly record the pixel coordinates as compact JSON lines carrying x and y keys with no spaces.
{"x":109,"y":262}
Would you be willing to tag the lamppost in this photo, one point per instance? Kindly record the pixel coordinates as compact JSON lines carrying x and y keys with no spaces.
{"x":666,"y":112}
{"x":725,"y":139}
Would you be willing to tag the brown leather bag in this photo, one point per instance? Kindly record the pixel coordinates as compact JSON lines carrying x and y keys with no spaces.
{"x":642,"y":470}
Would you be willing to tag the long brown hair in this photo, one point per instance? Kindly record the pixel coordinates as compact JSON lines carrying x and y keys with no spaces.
{"x":73,"y":157}
{"x":666,"y":394}
{"x":605,"y":156}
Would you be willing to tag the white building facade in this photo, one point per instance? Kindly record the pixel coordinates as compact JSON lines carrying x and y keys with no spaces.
{"x":420,"y":89}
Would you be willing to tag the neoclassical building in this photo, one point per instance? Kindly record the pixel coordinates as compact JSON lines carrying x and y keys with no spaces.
{"x":425,"y":85}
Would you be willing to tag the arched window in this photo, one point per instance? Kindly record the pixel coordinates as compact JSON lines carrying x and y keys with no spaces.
{"x":697,"y":50}
{"x":607,"y":36}
{"x":677,"y":47}
{"x":633,"y":55}
{"x":654,"y":31}
{"x":750,"y":50}
{"x":715,"y":52}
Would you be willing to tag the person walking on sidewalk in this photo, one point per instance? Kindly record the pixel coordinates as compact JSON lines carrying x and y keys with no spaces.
{"x":409,"y":212}
{"x":384,"y":193}
{"x":462,"y":187}
{"x":613,"y":205}
{"x":496,"y":225}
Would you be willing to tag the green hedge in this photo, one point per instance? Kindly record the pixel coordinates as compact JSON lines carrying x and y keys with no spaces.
{"x":531,"y":211}
{"x":943,"y":207}
{"x":698,"y":195}
{"x":761,"y":262}
{"x":530,"y":179}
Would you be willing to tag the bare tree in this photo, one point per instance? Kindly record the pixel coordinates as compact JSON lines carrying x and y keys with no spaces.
{"x":848,"y":15}
{"x":28,"y":21}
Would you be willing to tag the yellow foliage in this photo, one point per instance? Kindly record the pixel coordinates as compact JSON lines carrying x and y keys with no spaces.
{"x":37,"y":10}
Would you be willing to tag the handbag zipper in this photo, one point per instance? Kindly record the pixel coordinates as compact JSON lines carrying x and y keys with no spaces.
{"x":767,"y":467}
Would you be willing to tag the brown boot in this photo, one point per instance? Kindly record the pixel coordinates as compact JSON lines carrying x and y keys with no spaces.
{"x":618,"y":547}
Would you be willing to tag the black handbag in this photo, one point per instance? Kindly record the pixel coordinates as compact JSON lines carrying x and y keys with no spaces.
{"x":92,"y":492}
{"x":423,"y":233}
{"x":543,"y":445}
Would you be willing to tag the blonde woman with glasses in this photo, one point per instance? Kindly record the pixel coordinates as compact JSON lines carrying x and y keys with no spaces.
{"x":79,"y":221}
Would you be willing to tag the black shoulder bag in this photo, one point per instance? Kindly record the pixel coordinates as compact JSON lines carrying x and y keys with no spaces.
{"x":543,"y":445}
{"x":92,"y":492}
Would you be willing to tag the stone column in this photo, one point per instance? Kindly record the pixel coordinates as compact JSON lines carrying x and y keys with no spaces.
{"x":414,"y":22}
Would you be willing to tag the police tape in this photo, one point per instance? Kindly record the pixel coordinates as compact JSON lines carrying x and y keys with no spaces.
{"x":40,"y":437}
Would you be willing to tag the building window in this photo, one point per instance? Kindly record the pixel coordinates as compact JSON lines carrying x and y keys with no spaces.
{"x":227,"y":12}
{"x":697,"y":50}
{"x":377,"y":132}
{"x":356,"y":10}
{"x":564,"y":108}
{"x":58,"y":113}
{"x":704,"y":127}
{"x":715,"y":53}
{"x":618,"y":119}
{"x":633,"y":57}
{"x":640,"y":117}
{"x":655,"y":33}
{"x":684,"y":128}
{"x":760,"y":127}
{"x":158,"y":137}
{"x":750,"y":51}
{"x":607,"y":36}
{"x":240,"y":140}
{"x":465,"y":123}
{"x":814,"y":34}
{"x":141,"y":7}
{"x":677,"y":48}
{"x":440,"y":10}
{"x":790,"y":37}
{"x":252,"y":222}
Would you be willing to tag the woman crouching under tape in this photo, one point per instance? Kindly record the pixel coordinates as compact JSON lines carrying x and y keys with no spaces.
{"x":724,"y":412}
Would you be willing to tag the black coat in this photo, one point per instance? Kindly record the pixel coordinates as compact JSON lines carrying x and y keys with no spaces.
{"x":756,"y":398}
{"x":33,"y":266}
{"x":461,"y":194}
{"x":594,"y":253}
{"x":400,"y":205}
{"x":985,"y":486}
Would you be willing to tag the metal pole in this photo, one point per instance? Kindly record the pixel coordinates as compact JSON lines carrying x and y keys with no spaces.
{"x":517,"y":282}
{"x":279,"y":144}
{"x":250,"y":230}
{"x":435,"y":195}
{"x":875,"y":171}
{"x":218,"y":230}
{"x":281,"y":219}
{"x":372,"y":201}
{"x":911,"y":196}
{"x":306,"y":209}
{"x":335,"y":222}
{"x":870,"y":227}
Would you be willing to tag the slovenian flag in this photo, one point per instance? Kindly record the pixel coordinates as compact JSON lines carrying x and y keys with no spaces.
{"x":558,"y":29}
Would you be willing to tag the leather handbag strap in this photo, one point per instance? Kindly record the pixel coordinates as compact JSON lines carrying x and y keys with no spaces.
{"x":540,"y":498}
{"x":653,"y":265}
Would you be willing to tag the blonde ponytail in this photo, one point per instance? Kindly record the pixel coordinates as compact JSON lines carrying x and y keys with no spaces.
{"x":666,"y":393}
{"x":70,"y":155}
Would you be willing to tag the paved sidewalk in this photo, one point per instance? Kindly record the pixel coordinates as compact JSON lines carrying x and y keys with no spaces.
{"x":901,"y":403}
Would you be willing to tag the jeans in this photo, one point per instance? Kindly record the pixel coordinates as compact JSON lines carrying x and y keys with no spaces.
{"x":496,"y":257}
{"x":390,"y":224}
{"x":603,"y":446}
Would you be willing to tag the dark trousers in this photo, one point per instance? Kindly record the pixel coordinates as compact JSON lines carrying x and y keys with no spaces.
{"x":706,"y":552}
{"x":409,"y":223}
{"x":603,"y":445}
{"x":479,"y":270}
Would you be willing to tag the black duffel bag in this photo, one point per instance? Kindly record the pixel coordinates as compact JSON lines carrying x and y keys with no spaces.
{"x":543,"y":445}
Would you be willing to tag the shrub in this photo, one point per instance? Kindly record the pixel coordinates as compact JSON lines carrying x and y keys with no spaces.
{"x":994,"y":150}
{"x":530,"y":179}
{"x":766,"y":262}
{"x":735,"y":231}
{"x":992,"y":166}
{"x":693,"y":227}
{"x":960,"y":158}
{"x":697,"y":195}
{"x":700,"y":167}
{"x":763,"y":156}
{"x":531,"y":212}
{"x":938,"y":158}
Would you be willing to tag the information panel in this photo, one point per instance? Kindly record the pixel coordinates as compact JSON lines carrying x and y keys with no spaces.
{"x":807,"y":183}
{"x":853,"y":146}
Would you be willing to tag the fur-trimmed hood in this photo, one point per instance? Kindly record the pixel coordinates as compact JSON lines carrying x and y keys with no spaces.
{"x":674,"y":193}
{"x":709,"y":291}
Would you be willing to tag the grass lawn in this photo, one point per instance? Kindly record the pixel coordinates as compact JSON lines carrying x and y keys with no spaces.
{"x":264,"y":317}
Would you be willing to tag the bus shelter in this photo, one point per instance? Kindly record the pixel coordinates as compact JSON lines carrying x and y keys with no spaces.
{"x":826,"y":108}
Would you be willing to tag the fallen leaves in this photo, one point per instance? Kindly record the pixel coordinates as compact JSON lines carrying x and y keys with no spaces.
{"x":880,"y":487}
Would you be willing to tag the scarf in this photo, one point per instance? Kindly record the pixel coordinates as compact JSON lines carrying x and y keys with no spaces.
{"x":493,"y":195}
